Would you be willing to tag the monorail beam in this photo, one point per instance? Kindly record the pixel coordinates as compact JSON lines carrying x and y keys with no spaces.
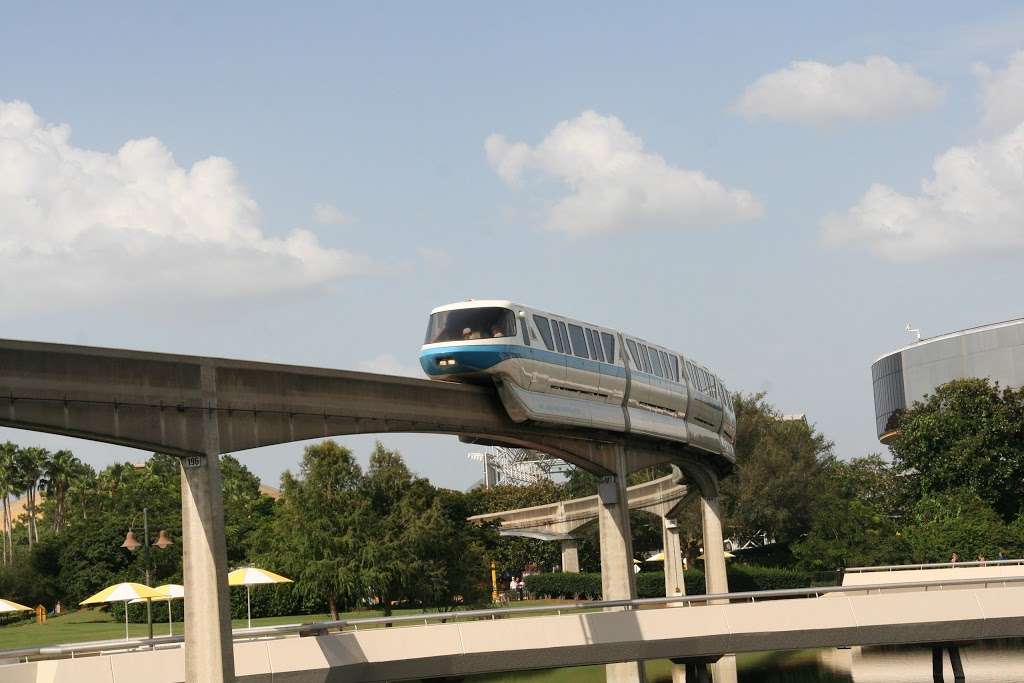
{"x":153,"y":401}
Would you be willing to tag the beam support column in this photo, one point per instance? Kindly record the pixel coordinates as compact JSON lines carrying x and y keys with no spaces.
{"x":715,"y":578}
{"x":570,"y":556}
{"x":209,"y":653}
{"x":674,"y":583}
{"x":671,"y":548}
{"x":618,"y":582}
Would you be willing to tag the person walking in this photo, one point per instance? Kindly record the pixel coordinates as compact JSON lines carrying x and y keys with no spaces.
{"x":521,"y":586}
{"x":512,"y":586}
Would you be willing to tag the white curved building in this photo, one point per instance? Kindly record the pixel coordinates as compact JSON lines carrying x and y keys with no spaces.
{"x":906,"y":375}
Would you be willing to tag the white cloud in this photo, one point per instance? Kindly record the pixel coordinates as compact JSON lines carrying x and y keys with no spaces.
{"x":83,"y":227}
{"x":387,"y":364}
{"x":1002,"y":94}
{"x":329,"y":214}
{"x":973,"y":203}
{"x":817,"y":93}
{"x":614,"y":183}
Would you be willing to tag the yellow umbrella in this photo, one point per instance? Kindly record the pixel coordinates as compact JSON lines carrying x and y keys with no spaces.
{"x":168,"y":591}
{"x":122,"y":592}
{"x":657,"y":557}
{"x":9,"y":606}
{"x":252,"y":576}
{"x":728,"y":555}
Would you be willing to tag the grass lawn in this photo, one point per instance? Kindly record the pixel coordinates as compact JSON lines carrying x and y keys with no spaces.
{"x":97,"y":624}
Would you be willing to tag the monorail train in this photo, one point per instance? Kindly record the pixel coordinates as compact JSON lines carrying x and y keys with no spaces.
{"x":553,"y":369}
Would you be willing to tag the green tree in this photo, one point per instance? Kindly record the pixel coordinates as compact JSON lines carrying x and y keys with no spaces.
{"x":59,"y":471}
{"x":317,"y":538}
{"x":856,"y":517}
{"x":29,"y":463}
{"x":247,"y":511}
{"x":968,"y":434}
{"x":511,"y":554}
{"x":778,"y":465}
{"x":8,"y":488}
{"x":414,"y":547}
{"x":958,"y":522}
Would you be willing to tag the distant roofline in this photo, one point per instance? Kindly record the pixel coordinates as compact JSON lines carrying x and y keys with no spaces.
{"x":950,"y":335}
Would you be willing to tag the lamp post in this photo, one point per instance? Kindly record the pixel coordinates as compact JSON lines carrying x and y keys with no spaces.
{"x":163,"y":540}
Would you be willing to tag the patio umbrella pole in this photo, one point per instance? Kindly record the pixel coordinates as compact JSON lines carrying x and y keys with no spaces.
{"x":248,"y":604}
{"x":126,"y":620}
{"x":170,"y":622}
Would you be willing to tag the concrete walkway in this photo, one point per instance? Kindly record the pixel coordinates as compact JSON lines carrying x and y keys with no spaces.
{"x":693,"y":632}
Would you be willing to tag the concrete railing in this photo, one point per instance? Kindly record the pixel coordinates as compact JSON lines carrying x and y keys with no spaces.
{"x":934,"y":565}
{"x":325,"y":627}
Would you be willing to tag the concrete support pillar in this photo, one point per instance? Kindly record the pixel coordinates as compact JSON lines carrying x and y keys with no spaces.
{"x":674,"y":584}
{"x":209,"y":655}
{"x":570,"y":556}
{"x":673,"y":551}
{"x":618,"y":582}
{"x":715,"y":578}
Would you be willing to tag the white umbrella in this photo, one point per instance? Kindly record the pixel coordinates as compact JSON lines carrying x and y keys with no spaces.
{"x":122,"y":592}
{"x":252,"y":576}
{"x":11,"y":606}
{"x":169,"y":591}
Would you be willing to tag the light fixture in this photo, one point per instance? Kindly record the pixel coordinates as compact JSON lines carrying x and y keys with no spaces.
{"x":163,"y":540}
{"x":130,"y":542}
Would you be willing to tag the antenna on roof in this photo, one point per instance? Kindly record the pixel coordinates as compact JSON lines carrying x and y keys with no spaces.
{"x":914,"y":331}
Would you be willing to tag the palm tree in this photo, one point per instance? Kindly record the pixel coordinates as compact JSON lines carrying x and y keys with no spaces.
{"x":30,"y":462}
{"x":58,"y":472}
{"x":8,"y":472}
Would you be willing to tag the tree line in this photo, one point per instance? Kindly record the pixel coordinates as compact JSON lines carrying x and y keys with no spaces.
{"x":381,"y":535}
{"x":954,"y":483}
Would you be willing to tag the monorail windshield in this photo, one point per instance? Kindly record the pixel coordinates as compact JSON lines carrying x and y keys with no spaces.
{"x":470,"y":323}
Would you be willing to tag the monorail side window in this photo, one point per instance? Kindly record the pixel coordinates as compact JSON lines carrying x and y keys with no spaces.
{"x":559,"y":344}
{"x":544,"y":326}
{"x":579,"y":341}
{"x":666,"y":364}
{"x":590,"y":343}
{"x":465,"y":324}
{"x":565,"y":337}
{"x":675,"y":365}
{"x":633,"y":352}
{"x":655,"y":362}
{"x":645,"y":364}
{"x":609,"y":347}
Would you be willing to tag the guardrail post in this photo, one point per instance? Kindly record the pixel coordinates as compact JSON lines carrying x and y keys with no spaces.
{"x":618,"y":581}
{"x":209,"y":655}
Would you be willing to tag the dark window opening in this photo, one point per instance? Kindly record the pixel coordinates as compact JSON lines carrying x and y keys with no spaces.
{"x":675,"y":366}
{"x":579,"y":341}
{"x":633,"y":352}
{"x":470,"y":323}
{"x":544,"y":326}
{"x":565,"y":337}
{"x":645,"y":364}
{"x":609,"y":346}
{"x":590,"y":344}
{"x":655,"y":362}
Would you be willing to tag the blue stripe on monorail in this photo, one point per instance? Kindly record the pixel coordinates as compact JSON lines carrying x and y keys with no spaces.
{"x":477,"y":357}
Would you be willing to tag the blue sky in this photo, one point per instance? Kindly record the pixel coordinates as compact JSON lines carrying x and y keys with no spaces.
{"x":774,"y":190}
